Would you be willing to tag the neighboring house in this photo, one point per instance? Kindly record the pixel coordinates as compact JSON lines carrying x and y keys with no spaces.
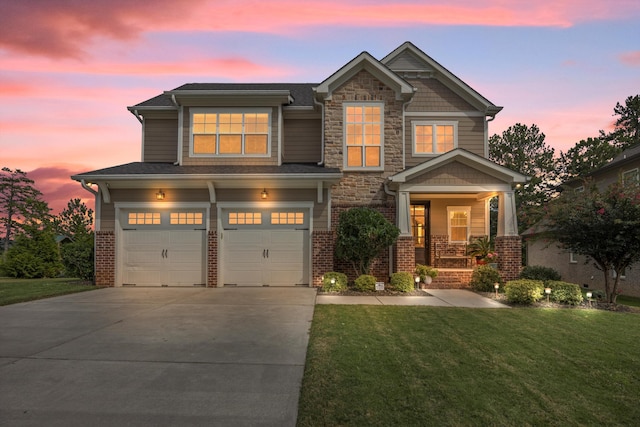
{"x":572,"y":267}
{"x":242,"y":184}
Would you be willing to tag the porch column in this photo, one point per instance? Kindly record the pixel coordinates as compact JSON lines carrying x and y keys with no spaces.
{"x":507,"y":220}
{"x":404,"y":213}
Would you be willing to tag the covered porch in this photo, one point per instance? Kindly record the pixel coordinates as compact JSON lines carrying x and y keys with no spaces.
{"x":443,"y":204}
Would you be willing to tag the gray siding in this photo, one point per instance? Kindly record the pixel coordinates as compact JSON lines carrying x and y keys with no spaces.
{"x":160,"y":140}
{"x":407,"y":61}
{"x":439,"y":215}
{"x":302,"y":141}
{"x":433,"y":96}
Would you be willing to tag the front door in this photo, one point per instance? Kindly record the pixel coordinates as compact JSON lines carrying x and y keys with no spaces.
{"x":421,"y":232}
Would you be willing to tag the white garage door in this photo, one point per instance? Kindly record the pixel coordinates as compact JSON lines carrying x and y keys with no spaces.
{"x":163,"y":256}
{"x":267,"y":248}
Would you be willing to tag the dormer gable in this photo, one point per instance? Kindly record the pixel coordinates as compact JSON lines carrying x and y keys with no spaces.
{"x":364,"y":61}
{"x":408,"y":61}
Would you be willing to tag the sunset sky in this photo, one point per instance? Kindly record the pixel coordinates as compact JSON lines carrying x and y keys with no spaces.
{"x":69,"y":68}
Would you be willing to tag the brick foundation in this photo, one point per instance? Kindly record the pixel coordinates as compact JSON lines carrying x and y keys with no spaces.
{"x":509,"y":250}
{"x":451,"y":279}
{"x":323,"y":247}
{"x":212,"y":259}
{"x":105,"y":258}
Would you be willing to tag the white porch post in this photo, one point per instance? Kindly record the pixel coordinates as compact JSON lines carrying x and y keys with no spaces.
{"x":507,"y":220}
{"x":404,"y":213}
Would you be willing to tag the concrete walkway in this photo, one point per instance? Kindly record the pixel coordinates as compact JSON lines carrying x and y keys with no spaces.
{"x":439,"y":297}
{"x":156,"y":357}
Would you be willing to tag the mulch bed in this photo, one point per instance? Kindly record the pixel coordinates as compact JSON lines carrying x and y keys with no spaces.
{"x":598,"y":305}
{"x":385,"y":293}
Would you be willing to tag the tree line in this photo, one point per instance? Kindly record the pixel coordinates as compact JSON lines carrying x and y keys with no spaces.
{"x":36,"y":243}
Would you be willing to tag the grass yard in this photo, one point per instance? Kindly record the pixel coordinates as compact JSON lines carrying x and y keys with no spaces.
{"x":386,"y":365}
{"x":20,"y":290}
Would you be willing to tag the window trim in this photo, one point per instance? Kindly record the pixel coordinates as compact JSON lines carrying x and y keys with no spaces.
{"x":466,"y":209}
{"x":345,"y":162}
{"x":631,"y":174}
{"x":434,"y":124}
{"x":234,"y":110}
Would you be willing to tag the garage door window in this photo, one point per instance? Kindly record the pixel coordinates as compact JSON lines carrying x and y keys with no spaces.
{"x":146,"y":218}
{"x":291,"y":218}
{"x":186,"y":218}
{"x":236,"y":218}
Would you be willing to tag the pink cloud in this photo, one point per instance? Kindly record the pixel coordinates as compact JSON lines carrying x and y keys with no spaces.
{"x":632,"y":59}
{"x":57,"y":187}
{"x":68,"y":28}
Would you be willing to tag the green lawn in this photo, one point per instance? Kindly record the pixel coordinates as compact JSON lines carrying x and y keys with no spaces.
{"x":21,"y":290}
{"x":386,"y":365}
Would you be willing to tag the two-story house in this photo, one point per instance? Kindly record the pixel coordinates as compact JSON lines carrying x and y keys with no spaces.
{"x":576,"y":268}
{"x":242,"y":184}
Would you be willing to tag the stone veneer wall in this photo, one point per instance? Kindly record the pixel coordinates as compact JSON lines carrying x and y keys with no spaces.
{"x":509,"y":250}
{"x":212,"y":259}
{"x":323,"y":243}
{"x":105,"y":274}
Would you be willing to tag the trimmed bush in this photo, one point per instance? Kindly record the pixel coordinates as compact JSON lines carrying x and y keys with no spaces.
{"x":366,"y":283}
{"x":424,"y":270}
{"x":540,"y":272}
{"x":340,"y":282}
{"x":565,"y":293}
{"x":402,"y":281}
{"x":524,"y":291}
{"x":484,"y":277}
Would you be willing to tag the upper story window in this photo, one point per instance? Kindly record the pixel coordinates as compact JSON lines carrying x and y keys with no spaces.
{"x":230,"y":133}
{"x":631,"y":176}
{"x":363,"y":138}
{"x":434,"y":137}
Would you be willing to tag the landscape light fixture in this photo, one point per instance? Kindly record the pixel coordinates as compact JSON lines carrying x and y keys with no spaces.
{"x":160,"y":195}
{"x":589,"y":295}
{"x":548,"y":292}
{"x":417,"y":280}
{"x":496,"y":286}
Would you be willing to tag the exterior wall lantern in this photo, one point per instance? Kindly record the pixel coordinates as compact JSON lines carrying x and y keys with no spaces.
{"x":160,"y":195}
{"x":264,"y":194}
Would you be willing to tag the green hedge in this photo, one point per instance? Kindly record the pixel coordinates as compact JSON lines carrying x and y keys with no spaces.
{"x":524,"y":291}
{"x":539,"y":272}
{"x":340,"y":282}
{"x":565,"y":293}
{"x":366,"y":283}
{"x":402,"y":281}
{"x":484,"y":277}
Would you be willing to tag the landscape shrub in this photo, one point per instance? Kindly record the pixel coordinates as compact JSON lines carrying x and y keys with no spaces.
{"x":565,"y":293}
{"x":402,"y":281}
{"x":484,"y":277}
{"x":424,"y":270}
{"x":524,"y":291}
{"x":340,"y":282}
{"x":365,"y":283}
{"x":539,"y":272}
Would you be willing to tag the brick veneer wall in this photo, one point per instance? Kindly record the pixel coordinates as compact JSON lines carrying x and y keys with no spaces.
{"x":323,"y":243}
{"x":105,"y":258}
{"x":405,"y":254}
{"x":212,"y":259}
{"x":451,"y":279}
{"x":509,"y":250}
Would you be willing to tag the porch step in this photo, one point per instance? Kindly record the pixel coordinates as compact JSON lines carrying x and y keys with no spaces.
{"x":451,"y":278}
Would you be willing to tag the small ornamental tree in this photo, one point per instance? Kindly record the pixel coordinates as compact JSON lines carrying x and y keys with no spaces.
{"x":362,"y":234}
{"x":603,"y":225}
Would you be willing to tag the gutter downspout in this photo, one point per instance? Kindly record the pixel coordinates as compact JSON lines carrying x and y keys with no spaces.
{"x":321,"y":105}
{"x":404,"y":133}
{"x":174,"y":101}
{"x":96,"y":224}
{"x":395,"y":195}
{"x":486,"y":134}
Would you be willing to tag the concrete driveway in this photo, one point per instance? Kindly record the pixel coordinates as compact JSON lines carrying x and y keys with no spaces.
{"x":149,"y":356}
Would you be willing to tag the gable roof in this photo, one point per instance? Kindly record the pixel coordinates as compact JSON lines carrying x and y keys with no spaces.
{"x":432,"y":67}
{"x":465,"y":157}
{"x":364,"y":61}
{"x":629,"y":155}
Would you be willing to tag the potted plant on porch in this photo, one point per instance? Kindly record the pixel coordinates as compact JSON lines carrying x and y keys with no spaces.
{"x":480,"y":248}
{"x":426,"y":273}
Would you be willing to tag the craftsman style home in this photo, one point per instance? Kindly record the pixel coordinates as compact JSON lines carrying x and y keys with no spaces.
{"x":625,"y":168}
{"x":242,"y":184}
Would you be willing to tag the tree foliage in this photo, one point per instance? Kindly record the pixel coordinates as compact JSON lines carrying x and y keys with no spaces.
{"x":627,"y":125}
{"x":603,"y":225}
{"x":75,"y":222}
{"x":20,"y":204}
{"x":586,"y":156}
{"x":34,"y":254}
{"x":523,"y":149}
{"x":362,"y":234}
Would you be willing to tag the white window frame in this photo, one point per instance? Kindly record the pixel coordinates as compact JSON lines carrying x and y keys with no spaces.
{"x":572,"y":258}
{"x":434,"y":124}
{"x":451,"y":209}
{"x":631,"y":175}
{"x":344,"y":136}
{"x":193,"y":111}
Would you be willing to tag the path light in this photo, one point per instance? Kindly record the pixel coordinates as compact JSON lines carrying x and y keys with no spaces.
{"x":496,"y":286}
{"x":589,"y":295}
{"x":333,"y":281}
{"x":417,"y":280}
{"x":548,"y":292}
